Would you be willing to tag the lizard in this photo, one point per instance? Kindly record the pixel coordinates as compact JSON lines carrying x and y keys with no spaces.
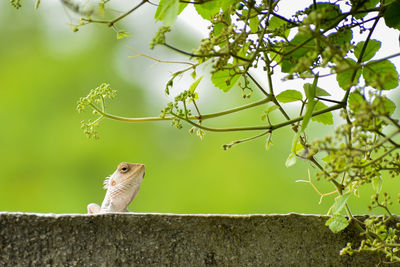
{"x":122,"y":187}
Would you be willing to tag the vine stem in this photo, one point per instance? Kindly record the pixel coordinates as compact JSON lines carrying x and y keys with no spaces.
{"x":218,"y":114}
{"x":203,"y":117}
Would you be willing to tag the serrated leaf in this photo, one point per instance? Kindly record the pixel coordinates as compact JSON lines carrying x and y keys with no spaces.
{"x":217,"y":28}
{"x":370,"y":51}
{"x":167,"y":11}
{"x":290,"y":60}
{"x":291,"y":160}
{"x":195,"y":84}
{"x":337,"y":223}
{"x":225,"y":5}
{"x":289,"y":96}
{"x":321,"y":92}
{"x":377,"y":184}
{"x":392,"y":15}
{"x":242,"y":52}
{"x":208,"y":9}
{"x":354,"y":101}
{"x":325,"y":118}
{"x":330,"y":13}
{"x":381,"y":75}
{"x":254,"y":22}
{"x":225,"y":79}
{"x":344,"y":78}
{"x":384,"y":105}
{"x":340,"y":202}
{"x":341,"y":37}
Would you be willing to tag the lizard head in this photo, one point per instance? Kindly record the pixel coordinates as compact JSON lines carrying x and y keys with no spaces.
{"x":122,"y":187}
{"x":126,"y":173}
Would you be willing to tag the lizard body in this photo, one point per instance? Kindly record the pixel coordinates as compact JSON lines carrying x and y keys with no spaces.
{"x":122,"y":187}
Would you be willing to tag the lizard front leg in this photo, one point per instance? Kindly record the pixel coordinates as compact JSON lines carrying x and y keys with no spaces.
{"x":93,"y":208}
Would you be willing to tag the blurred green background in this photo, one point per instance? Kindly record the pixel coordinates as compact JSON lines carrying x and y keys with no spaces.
{"x":48,"y":165}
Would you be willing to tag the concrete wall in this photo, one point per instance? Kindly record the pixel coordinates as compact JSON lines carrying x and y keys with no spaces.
{"x":173,"y":240}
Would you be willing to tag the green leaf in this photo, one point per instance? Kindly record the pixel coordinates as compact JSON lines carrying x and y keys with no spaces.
{"x":278,"y":26}
{"x":226,"y":5}
{"x":325,"y":118}
{"x":368,"y":4}
{"x":344,"y":77}
{"x":266,"y":113}
{"x":372,"y":47}
{"x":290,"y":60}
{"x":355,"y":100}
{"x":329,"y":13}
{"x":225,"y":79}
{"x":299,"y":147}
{"x":182,"y":6}
{"x":291,"y":160}
{"x":340,"y":202}
{"x":341,"y":37}
{"x":377,"y":184}
{"x":167,"y":11}
{"x":289,"y":96}
{"x":392,"y":15}
{"x":16,"y":3}
{"x":327,"y":158}
{"x":195,"y":84}
{"x":270,"y":109}
{"x":321,"y":92}
{"x":208,"y":9}
{"x":381,"y":75}
{"x":269,"y":142}
{"x":384,"y":105}
{"x":318,"y":91}
{"x":254,"y":22}
{"x":310,"y":93}
{"x":122,"y":34}
{"x":37,"y":3}
{"x":337,"y":223}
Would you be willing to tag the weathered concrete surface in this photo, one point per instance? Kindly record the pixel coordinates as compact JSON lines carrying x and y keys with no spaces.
{"x":173,"y":240}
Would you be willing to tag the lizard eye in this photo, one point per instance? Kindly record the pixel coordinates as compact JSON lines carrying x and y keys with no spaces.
{"x":124,"y":169}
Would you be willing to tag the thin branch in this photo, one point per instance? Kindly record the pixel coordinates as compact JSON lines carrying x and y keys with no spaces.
{"x":245,"y":140}
{"x":126,"y":14}
{"x":157,"y":60}
{"x":203,"y":56}
{"x":203,"y":117}
{"x":257,"y":84}
{"x":328,"y":100}
{"x":250,"y":128}
{"x":111,"y":23}
{"x":377,"y":159}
